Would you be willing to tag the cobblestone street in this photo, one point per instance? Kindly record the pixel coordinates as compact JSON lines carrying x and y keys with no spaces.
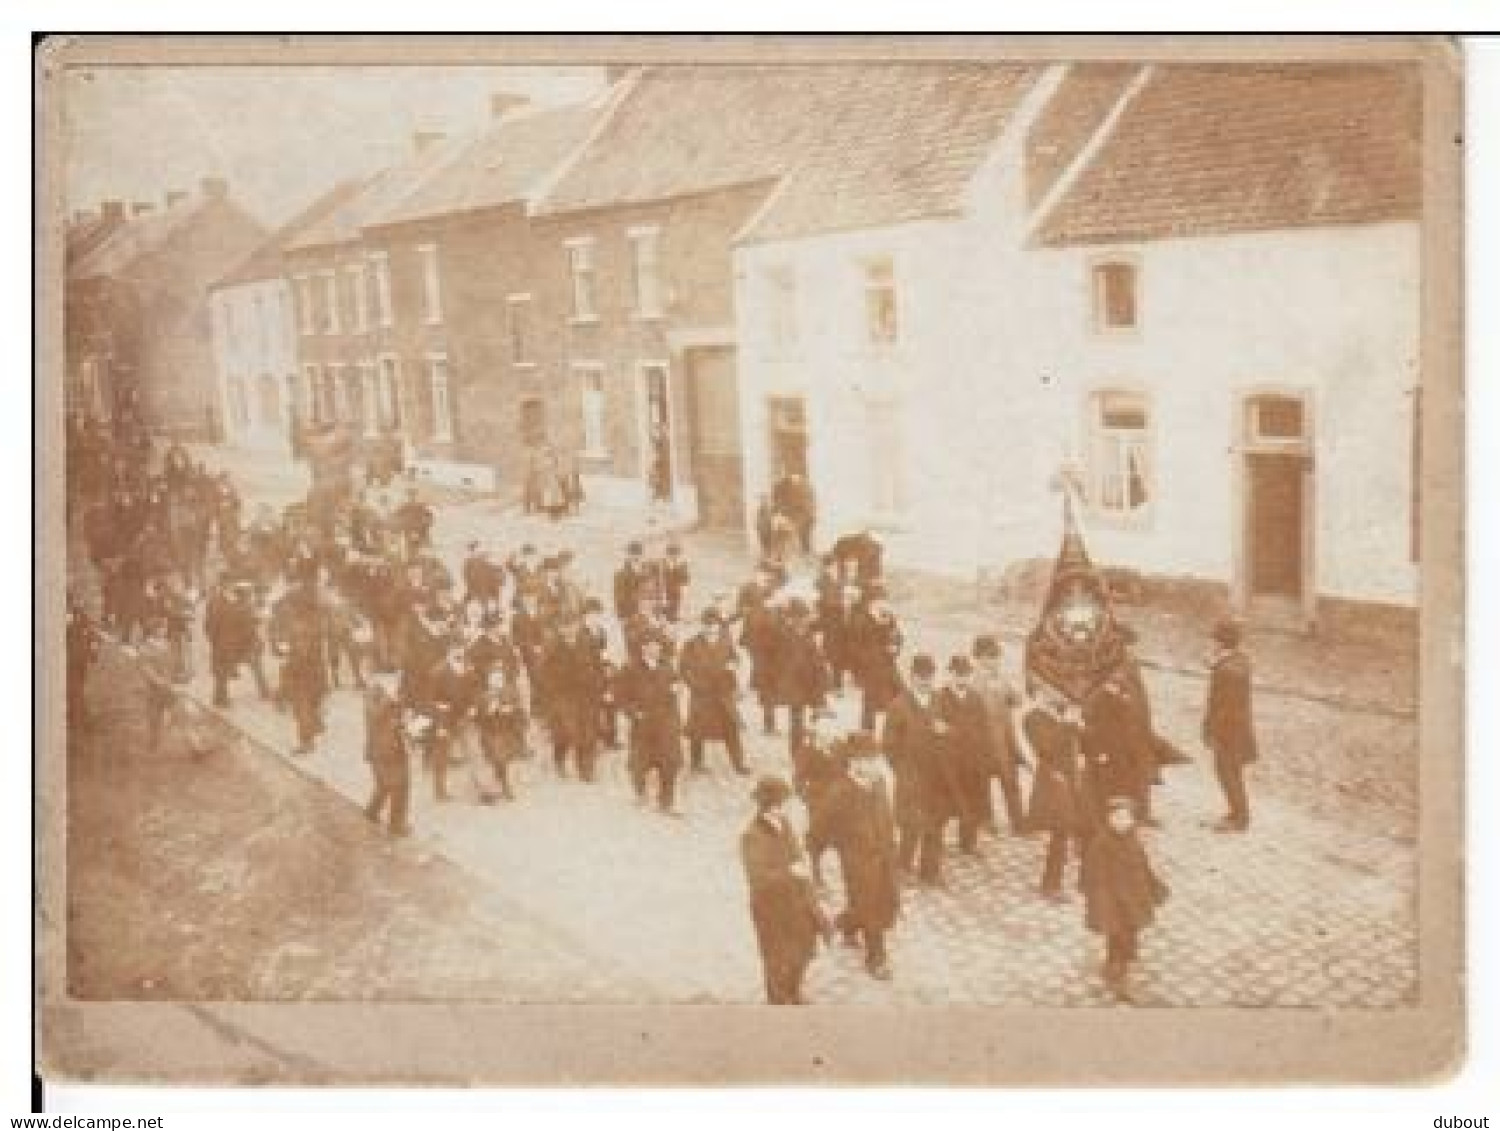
{"x":1315,"y":908}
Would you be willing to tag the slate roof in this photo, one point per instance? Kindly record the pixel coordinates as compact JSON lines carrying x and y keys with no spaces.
{"x":379,"y":195}
{"x":1213,"y":150}
{"x":265,"y":262}
{"x":142,"y":236}
{"x":505,"y":165}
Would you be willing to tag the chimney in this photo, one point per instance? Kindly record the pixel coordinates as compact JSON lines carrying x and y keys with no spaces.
{"x":141,"y":208}
{"x":113,"y":212}
{"x":175,"y":197}
{"x":423,"y":140}
{"x":214,"y":188}
{"x":502,"y":102}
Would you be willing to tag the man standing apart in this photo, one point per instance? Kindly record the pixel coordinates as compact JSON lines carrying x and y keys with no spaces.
{"x":1228,"y":723}
{"x":783,"y":906}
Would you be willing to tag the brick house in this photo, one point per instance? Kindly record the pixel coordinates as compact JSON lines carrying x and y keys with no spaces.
{"x":255,"y":336}
{"x":137,"y":322}
{"x":637,"y":310}
{"x":346,"y":295}
{"x":467,"y":278}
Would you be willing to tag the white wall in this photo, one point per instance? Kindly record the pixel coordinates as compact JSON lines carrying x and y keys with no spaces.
{"x":998,"y":358}
{"x":261,"y":344}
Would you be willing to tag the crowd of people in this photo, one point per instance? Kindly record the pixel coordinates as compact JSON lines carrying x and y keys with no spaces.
{"x":514,"y":658}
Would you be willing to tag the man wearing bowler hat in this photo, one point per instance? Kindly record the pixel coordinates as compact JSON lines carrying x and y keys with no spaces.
{"x":783,"y":906}
{"x":1228,"y":723}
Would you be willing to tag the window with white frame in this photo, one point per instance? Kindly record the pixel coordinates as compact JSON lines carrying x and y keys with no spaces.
{"x":441,"y":393}
{"x":283,"y":320}
{"x":518,"y":328}
{"x":1115,"y":297}
{"x":330,"y":279}
{"x":432,"y":294}
{"x":583,"y":275}
{"x":390,"y":393}
{"x":369,"y":398}
{"x":312,"y":380}
{"x":881,"y":325}
{"x":646,"y":271}
{"x":1119,"y":481}
{"x":385,"y":313}
{"x":338,"y":383}
{"x":359,"y":292}
{"x":887,"y":455}
{"x":259,"y":329}
{"x":591,"y":384}
{"x":306,"y":322}
{"x":781,"y":307}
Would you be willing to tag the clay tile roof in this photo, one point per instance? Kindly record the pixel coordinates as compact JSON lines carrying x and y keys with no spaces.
{"x":1211,"y":150}
{"x":140,"y":237}
{"x":265,"y":262}
{"x":899,"y":143}
{"x":1070,"y":118}
{"x":380,"y":194}
{"x":682,"y":130}
{"x":504,"y":165}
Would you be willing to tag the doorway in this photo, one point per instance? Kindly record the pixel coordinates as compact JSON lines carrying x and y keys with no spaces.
{"x":1275,"y":563}
{"x":787,"y":420}
{"x":658,"y":447}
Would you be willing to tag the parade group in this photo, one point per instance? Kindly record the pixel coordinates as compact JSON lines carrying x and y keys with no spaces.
{"x":515,"y":659}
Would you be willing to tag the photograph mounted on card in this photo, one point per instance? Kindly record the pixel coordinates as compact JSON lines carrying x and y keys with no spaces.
{"x":752,"y":560}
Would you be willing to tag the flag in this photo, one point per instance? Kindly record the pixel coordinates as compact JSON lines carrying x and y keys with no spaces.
{"x":1076,"y":644}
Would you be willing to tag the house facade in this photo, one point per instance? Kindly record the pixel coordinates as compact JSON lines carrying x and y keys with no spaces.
{"x":1160,"y":289}
{"x":138,"y":326}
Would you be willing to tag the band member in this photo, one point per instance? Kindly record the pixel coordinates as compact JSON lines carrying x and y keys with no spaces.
{"x":926,"y":800}
{"x":1052,"y":729}
{"x":859,"y":823}
{"x":500,"y":718}
{"x":708,"y":667}
{"x":1000,"y":700}
{"x":574,"y":679}
{"x":1121,"y":891}
{"x":783,"y":906}
{"x":1229,"y":724}
{"x":388,"y":751}
{"x":649,"y":697}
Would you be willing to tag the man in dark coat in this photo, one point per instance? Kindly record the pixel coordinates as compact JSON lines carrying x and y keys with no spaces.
{"x":708,"y":669}
{"x":926,"y":796}
{"x":861,"y":557}
{"x":229,"y":625}
{"x":1000,"y":700}
{"x":966,"y":752}
{"x":783,"y":905}
{"x":859,"y":823}
{"x":835,"y":609}
{"x":1121,"y":891}
{"x":301,"y":637}
{"x":387,"y":752}
{"x":574,"y":679}
{"x":482,"y":579}
{"x":760,"y":636}
{"x":648,"y":695}
{"x":674,"y":577}
{"x":794,"y":498}
{"x":453,"y":690}
{"x":414,"y":520}
{"x":1052,"y":728}
{"x":628,"y":580}
{"x":875,"y":639}
{"x":1229,"y":724}
{"x":802,"y":674}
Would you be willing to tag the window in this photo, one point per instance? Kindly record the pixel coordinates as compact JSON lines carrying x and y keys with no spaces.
{"x":582,"y":272}
{"x":239,"y":404}
{"x":283,"y":320}
{"x":306,"y":322}
{"x":592,"y":384}
{"x":645,"y":271}
{"x":1114,"y":296}
{"x":384,"y":311}
{"x":780,"y":291}
{"x":887,"y":458}
{"x":1120,"y":470}
{"x":338,"y":383}
{"x":518,"y":328}
{"x":432,"y":297}
{"x":330,"y":301}
{"x":369,"y":399}
{"x":1276,"y":419}
{"x":259,"y":329}
{"x":880,"y":302}
{"x":442,"y":401}
{"x":311,"y":406}
{"x":359,"y":290}
{"x":390,"y":399}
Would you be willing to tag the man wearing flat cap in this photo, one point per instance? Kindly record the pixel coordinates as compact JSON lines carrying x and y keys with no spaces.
{"x":1228,"y":723}
{"x":783,"y":905}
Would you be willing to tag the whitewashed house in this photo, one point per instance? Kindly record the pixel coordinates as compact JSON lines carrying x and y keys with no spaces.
{"x":254,"y":336}
{"x":1193,"y":291}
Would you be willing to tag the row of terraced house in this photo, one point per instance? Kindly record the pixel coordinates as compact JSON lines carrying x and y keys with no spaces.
{"x":933,"y":289}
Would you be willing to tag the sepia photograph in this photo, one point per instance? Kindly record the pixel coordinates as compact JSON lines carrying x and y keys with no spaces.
{"x":604,"y":540}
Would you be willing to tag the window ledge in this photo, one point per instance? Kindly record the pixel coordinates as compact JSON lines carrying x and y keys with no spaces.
{"x":577,"y":321}
{"x":523,"y":365}
{"x":1116,"y":520}
{"x":647,"y":316}
{"x":1118,"y":333}
{"x":593,"y":453}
